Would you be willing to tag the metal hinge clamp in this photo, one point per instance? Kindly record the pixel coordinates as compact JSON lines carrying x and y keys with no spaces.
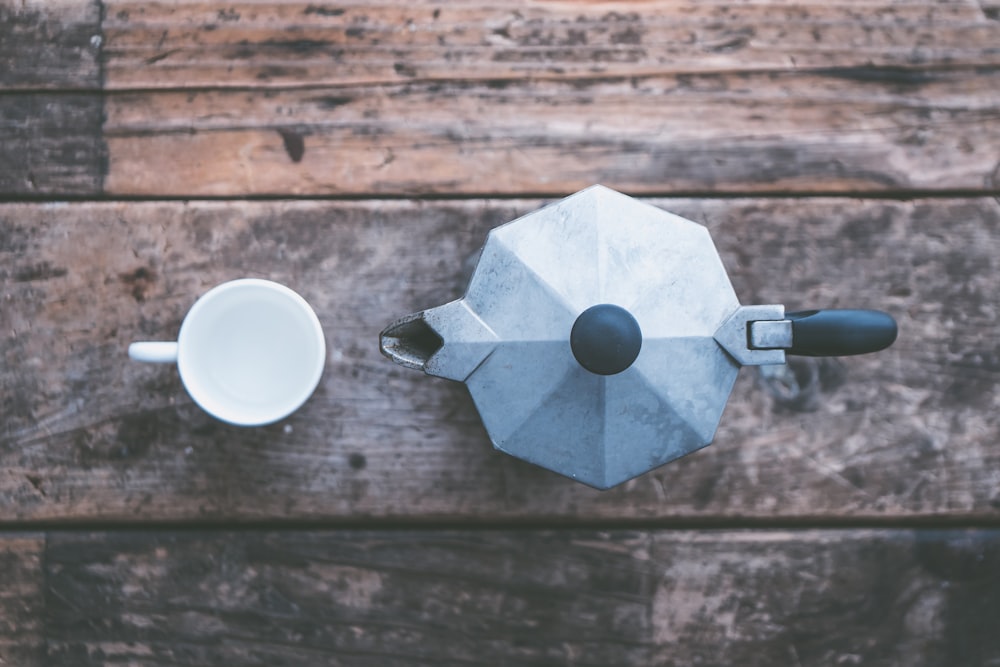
{"x":756,"y":335}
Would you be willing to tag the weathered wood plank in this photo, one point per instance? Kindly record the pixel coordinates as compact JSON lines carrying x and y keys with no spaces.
{"x":247,"y":43}
{"x":836,"y":131}
{"x":50,"y":44}
{"x":528,"y":598}
{"x":22,"y":600}
{"x":50,"y":144}
{"x":86,"y":434}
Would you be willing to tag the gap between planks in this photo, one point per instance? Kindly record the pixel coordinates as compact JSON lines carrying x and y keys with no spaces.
{"x":390,"y":524}
{"x":866,"y":74}
{"x":897,"y":195}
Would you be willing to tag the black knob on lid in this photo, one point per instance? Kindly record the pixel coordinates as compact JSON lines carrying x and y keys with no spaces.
{"x":605,"y":339}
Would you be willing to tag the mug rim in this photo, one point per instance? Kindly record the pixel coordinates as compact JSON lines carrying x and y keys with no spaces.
{"x":219,"y":409}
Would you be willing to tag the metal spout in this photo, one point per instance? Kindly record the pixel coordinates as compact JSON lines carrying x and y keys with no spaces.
{"x":410,"y":341}
{"x":449,"y":341}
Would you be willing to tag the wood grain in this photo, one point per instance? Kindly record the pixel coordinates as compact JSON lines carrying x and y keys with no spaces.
{"x":266,"y":44}
{"x":466,"y":99}
{"x":22,"y":600}
{"x":50,"y":144}
{"x":528,"y":598}
{"x":840,"y":131}
{"x":50,"y":44}
{"x":88,"y":435}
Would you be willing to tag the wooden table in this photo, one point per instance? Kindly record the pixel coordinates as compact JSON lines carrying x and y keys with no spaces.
{"x":842,"y":154}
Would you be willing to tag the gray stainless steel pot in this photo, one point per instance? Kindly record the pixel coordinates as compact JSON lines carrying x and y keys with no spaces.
{"x":600,"y":337}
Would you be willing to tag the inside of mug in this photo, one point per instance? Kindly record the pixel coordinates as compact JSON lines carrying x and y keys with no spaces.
{"x":251,"y":354}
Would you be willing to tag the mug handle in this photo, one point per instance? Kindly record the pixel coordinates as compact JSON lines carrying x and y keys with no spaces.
{"x":155,"y":352}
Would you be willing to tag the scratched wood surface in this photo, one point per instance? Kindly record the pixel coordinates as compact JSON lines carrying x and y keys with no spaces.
{"x":50,"y":144}
{"x":50,"y":106}
{"x":88,"y":434}
{"x":272,"y":44}
{"x":551,"y":97}
{"x":441,"y":106}
{"x":830,"y":132}
{"x":305,"y":98}
{"x":524,"y":598}
{"x":22,"y":599}
{"x":50,"y":44}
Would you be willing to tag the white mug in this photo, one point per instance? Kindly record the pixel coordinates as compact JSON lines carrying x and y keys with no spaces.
{"x":249,"y":352}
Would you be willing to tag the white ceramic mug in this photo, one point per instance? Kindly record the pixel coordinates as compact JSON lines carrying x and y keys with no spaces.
{"x":249,"y":352}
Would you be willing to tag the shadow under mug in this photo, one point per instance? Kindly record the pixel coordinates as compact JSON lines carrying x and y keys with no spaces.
{"x":250,"y":352}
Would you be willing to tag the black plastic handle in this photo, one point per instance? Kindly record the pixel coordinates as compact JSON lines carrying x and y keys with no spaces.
{"x":837,"y":333}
